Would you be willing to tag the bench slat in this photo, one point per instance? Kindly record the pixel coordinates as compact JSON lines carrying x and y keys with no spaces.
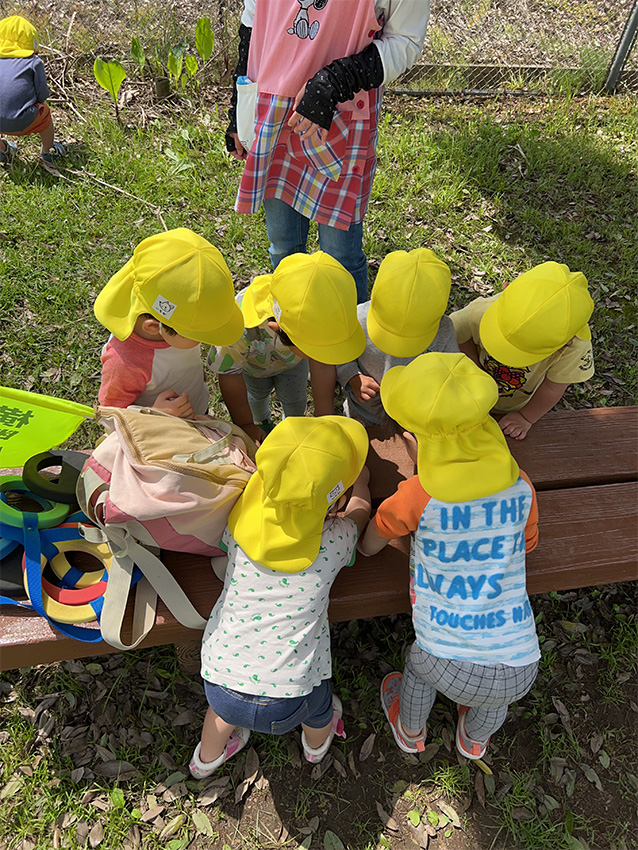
{"x":588,"y":540}
{"x":567,"y":448}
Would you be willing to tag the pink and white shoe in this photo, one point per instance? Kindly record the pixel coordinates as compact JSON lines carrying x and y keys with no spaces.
{"x":314,"y":756}
{"x":201,"y":769}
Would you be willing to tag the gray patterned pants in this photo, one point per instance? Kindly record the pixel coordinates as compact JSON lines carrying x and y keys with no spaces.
{"x":487,"y":690}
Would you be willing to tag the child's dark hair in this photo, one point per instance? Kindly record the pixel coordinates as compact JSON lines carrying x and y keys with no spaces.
{"x":281,"y":333}
{"x":166,"y":327}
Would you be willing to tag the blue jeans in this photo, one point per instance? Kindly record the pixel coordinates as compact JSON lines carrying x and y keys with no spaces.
{"x":271,"y":715}
{"x":291,"y":387}
{"x":288,"y":234}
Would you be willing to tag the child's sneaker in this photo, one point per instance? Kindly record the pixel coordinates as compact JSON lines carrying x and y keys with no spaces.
{"x":7,"y":155}
{"x":390,"y":687}
{"x":464,"y":744}
{"x":54,"y":153}
{"x":314,"y":756}
{"x":266,"y":425}
{"x":201,"y":769}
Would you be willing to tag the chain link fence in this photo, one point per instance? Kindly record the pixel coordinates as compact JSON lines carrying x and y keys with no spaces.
{"x":540,"y":46}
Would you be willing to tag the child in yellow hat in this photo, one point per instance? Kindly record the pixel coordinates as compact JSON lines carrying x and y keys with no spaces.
{"x":24,"y":90}
{"x":533,"y":339}
{"x":266,"y":659}
{"x":403,"y":319}
{"x":473,"y":515}
{"x":174,"y":293}
{"x":304,"y":311}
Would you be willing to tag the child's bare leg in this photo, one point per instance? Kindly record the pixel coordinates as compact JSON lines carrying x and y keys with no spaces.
{"x":215,"y":734}
{"x":46,"y":138}
{"x":316,"y":737}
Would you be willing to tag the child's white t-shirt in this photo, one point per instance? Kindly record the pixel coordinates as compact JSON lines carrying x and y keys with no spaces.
{"x":268,"y":634}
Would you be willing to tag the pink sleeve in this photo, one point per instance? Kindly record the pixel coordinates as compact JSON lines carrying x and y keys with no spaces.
{"x":123,"y":380}
{"x":400,"y":513}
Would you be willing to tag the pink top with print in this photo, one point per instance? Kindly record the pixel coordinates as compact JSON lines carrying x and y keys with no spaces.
{"x":307,"y":35}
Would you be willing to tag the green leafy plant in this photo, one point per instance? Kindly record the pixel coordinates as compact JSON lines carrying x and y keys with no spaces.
{"x":110,"y":75}
{"x":204,"y":39}
{"x":138,"y":54}
{"x":180,"y":67}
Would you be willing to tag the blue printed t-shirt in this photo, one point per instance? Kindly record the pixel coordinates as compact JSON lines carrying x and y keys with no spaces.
{"x":268,"y":634}
{"x":469,"y":596}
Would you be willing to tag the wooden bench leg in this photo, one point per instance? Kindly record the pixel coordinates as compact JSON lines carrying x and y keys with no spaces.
{"x":188,"y":656}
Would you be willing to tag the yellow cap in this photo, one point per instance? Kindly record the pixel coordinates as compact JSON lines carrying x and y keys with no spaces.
{"x":314,"y":301}
{"x":18,"y":37}
{"x":537,"y":314}
{"x":408,"y":299}
{"x":303,"y":466}
{"x":445,"y":400}
{"x":180,"y":279}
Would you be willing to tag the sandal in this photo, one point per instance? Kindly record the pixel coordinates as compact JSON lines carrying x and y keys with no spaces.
{"x":201,"y":769}
{"x":54,"y":153}
{"x":7,"y":155}
{"x":315,"y":756}
{"x":390,"y":687}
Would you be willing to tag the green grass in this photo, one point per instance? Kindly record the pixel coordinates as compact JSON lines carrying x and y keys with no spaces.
{"x":493,"y":190}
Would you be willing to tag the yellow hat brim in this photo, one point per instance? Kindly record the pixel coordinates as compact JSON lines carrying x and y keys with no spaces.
{"x":500,"y":348}
{"x":256,"y":305}
{"x":287,"y":541}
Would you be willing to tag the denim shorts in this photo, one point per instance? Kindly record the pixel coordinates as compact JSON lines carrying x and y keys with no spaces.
{"x":274,"y":715}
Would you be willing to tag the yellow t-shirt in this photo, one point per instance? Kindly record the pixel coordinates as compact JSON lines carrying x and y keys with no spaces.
{"x":571,"y":364}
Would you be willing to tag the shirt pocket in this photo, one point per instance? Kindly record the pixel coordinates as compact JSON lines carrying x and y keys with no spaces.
{"x":325,"y":157}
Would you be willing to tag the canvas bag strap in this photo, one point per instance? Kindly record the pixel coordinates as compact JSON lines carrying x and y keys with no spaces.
{"x":127,"y":553}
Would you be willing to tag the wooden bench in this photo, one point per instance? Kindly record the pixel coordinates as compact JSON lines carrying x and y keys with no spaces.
{"x":583,"y":463}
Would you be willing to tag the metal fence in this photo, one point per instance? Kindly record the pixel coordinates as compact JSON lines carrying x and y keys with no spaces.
{"x":543,"y":46}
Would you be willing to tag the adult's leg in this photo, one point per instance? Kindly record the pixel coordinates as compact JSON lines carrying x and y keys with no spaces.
{"x":287,"y":230}
{"x":291,"y":387}
{"x":346,"y":246}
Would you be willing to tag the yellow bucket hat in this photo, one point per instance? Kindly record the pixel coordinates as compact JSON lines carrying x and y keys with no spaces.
{"x":303,"y":466}
{"x":18,"y":37}
{"x":180,"y":279}
{"x":408,"y":299}
{"x":538,"y":313}
{"x":314,"y":300}
{"x":445,"y":400}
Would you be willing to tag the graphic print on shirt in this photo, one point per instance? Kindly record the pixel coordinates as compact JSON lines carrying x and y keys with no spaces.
{"x":301,"y":26}
{"x":469,"y":579}
{"x":508,"y":379}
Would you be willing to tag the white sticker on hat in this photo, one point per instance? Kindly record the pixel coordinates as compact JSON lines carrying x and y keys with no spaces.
{"x":336,"y":491}
{"x":164,"y":307}
{"x":276,"y":310}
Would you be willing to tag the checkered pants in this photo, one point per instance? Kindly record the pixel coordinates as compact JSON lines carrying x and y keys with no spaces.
{"x":487,"y":690}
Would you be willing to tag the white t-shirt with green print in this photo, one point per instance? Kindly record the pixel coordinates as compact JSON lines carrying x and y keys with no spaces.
{"x":268,"y":633}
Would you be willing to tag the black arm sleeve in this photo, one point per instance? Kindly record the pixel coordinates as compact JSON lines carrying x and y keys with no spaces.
{"x":338,"y":82}
{"x":240,"y":71}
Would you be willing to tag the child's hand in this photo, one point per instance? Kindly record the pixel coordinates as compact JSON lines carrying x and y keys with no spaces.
{"x":303,"y":126}
{"x":176,"y":405}
{"x":515,"y":425}
{"x":239,"y":152}
{"x":364,"y":387}
{"x":256,"y":434}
